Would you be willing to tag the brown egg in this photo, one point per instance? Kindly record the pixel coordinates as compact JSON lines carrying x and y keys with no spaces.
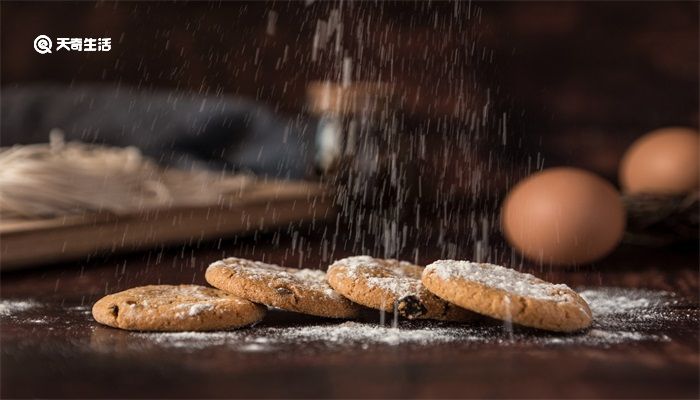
{"x":664,"y":161}
{"x":563,"y":216}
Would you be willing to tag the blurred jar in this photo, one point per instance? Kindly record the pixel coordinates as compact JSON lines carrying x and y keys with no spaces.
{"x":356,"y":125}
{"x":359,"y":146}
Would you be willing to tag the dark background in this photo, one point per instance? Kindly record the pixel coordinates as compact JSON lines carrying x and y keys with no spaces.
{"x":578,"y":80}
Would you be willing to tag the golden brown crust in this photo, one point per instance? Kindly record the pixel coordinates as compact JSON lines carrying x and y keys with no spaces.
{"x":384,"y":284}
{"x":534,"y":303}
{"x":301,"y":290}
{"x":175,"y":308}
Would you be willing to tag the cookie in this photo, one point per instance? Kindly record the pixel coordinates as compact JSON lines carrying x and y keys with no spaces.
{"x":386,"y":284}
{"x":175,"y":308}
{"x":509,"y":295}
{"x":301,"y":290}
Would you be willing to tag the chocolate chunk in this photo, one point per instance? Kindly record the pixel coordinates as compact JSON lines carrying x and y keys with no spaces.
{"x":411,"y":307}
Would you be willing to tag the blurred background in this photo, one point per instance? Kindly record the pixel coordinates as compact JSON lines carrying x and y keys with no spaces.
{"x":489,"y":91}
{"x":579,"y":80}
{"x":463,"y":100}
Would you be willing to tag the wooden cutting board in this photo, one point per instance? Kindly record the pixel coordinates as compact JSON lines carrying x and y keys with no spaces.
{"x":265,"y":205}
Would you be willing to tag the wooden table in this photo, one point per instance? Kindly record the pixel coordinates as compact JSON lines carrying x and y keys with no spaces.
{"x":64,"y":353}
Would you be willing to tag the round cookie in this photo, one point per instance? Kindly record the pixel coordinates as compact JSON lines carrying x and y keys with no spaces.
{"x":175,"y":308}
{"x":385,"y":283}
{"x":509,"y":295}
{"x":301,"y":290}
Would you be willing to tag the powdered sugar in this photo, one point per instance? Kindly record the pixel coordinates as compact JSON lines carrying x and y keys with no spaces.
{"x":599,"y":337}
{"x":190,"y":340}
{"x":621,"y":316}
{"x":198,"y":292}
{"x":330,"y":335}
{"x":358,"y":333}
{"x":399,"y":286}
{"x":308,"y":279}
{"x":185,"y":300}
{"x":619,"y":307}
{"x":38,"y":321}
{"x":614,"y":301}
{"x":501,"y":278}
{"x":10,"y":307}
{"x":194,"y":309}
{"x":400,"y":278}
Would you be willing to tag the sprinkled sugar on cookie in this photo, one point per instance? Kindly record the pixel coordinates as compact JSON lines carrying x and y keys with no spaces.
{"x":301,"y":290}
{"x":385,"y":284}
{"x":175,"y":308}
{"x":509,"y":295}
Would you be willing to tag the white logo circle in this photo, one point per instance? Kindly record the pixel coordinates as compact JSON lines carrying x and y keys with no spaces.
{"x":42,"y":44}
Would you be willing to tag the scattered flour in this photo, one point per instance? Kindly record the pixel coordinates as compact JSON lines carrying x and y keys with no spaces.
{"x":38,"y":321}
{"x":629,"y":308}
{"x":12,"y":307}
{"x":621,"y":316}
{"x":84,"y":309}
{"x":253,"y":347}
{"x":359,"y":333}
{"x":332,"y":335}
{"x":190,"y":340}
{"x":604,"y":338}
{"x":606,"y":302}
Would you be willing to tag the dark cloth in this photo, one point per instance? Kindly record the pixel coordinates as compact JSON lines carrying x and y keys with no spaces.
{"x":173,"y":128}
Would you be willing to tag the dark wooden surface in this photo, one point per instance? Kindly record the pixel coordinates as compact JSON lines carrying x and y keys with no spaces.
{"x":71,"y":356}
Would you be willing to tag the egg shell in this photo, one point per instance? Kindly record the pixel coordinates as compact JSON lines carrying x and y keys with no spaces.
{"x":563,"y":216}
{"x":664,"y":161}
